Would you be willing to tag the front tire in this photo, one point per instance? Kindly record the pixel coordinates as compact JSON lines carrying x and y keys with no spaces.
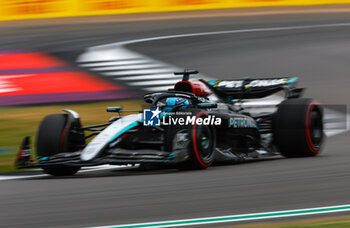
{"x":299,"y":128}
{"x":52,"y":140}
{"x":201,"y":146}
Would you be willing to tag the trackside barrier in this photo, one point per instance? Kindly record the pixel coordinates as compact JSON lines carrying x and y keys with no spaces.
{"x":32,"y":9}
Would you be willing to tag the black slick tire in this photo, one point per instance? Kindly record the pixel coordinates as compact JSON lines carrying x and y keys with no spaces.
{"x":51,"y":140}
{"x":298,"y":128}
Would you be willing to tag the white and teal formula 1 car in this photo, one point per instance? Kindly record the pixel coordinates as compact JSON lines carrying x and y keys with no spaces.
{"x":188,"y":127}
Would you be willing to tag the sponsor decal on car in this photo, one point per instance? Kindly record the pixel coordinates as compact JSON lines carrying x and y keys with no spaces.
{"x":241,"y":122}
{"x":262,"y":83}
{"x":252,"y":84}
{"x":227,"y":84}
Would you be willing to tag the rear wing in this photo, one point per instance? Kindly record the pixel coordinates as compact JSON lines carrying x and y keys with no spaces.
{"x":255,"y":88}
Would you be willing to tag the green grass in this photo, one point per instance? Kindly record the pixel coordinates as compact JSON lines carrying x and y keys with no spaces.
{"x":17,"y":122}
{"x":323,"y":223}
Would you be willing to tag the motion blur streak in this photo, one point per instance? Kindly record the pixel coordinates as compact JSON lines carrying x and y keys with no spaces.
{"x":318,"y":56}
{"x":33,"y":78}
{"x":13,"y":10}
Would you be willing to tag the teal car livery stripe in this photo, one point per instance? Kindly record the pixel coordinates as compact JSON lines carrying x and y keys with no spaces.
{"x":134,"y":124}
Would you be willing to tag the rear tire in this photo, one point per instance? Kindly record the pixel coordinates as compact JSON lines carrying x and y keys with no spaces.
{"x":299,"y":128}
{"x":51,"y":140}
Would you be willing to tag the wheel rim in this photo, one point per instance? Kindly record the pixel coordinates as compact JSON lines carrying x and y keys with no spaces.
{"x":316,"y":128}
{"x":204,"y":142}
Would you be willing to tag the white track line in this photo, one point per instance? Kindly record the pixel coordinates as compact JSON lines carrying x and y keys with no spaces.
{"x":271,"y":29}
{"x":83,"y":170}
{"x":235,"y":218}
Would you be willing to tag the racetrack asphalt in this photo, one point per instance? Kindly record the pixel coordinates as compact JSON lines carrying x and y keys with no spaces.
{"x":319,"y":56}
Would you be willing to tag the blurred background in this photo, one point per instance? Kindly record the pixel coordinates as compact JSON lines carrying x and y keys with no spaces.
{"x":86,"y":55}
{"x":29,"y":9}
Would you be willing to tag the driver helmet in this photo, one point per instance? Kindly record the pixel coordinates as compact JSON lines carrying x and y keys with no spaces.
{"x":182,"y":103}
